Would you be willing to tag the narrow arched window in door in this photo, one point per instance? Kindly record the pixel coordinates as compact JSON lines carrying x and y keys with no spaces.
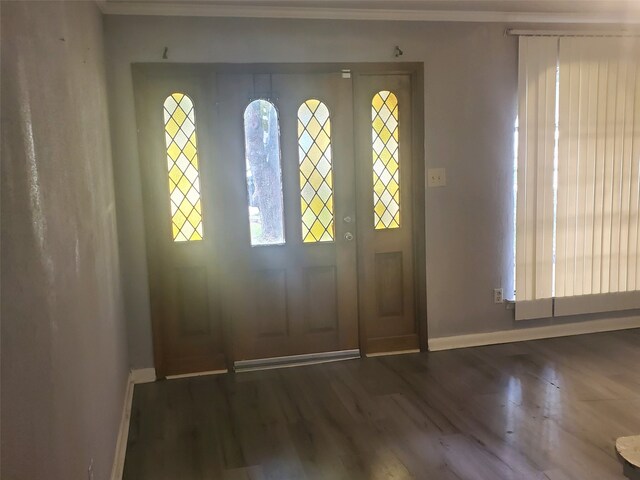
{"x":386,"y":161}
{"x":182,"y":165}
{"x":316,"y":175}
{"x":264,"y":173}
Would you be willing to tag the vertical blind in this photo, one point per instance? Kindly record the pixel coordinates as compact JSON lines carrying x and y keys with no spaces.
{"x":596,"y":242}
{"x":538,"y":58}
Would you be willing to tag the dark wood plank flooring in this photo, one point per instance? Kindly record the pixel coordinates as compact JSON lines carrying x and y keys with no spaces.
{"x":547,"y":409}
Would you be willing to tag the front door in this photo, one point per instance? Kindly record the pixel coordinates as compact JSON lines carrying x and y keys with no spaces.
{"x":280,"y":214}
{"x":288,"y":139}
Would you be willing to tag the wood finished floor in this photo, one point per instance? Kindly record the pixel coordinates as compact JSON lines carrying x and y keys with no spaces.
{"x":547,"y":409}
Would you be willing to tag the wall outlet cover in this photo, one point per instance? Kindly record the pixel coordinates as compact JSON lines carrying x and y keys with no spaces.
{"x":436,"y":177}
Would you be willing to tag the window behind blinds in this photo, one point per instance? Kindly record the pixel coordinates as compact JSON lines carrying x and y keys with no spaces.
{"x":597,"y":197}
{"x":598,"y":166}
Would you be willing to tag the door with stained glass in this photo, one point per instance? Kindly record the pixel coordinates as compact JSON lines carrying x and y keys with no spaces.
{"x":279,"y":214}
{"x":388,"y":194}
{"x":182,"y":225}
{"x":291,"y":191}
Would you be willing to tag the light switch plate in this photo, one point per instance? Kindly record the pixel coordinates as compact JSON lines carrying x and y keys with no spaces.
{"x":436,"y":177}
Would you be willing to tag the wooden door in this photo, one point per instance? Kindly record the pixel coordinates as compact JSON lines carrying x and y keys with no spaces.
{"x":387,"y":273}
{"x":293,"y":258}
{"x":179,"y":185}
{"x":327,"y":261}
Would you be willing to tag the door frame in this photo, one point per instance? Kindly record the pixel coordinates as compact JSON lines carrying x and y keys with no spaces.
{"x":148,"y":72}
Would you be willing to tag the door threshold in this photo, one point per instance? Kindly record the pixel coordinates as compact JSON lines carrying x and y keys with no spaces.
{"x":294,"y":360}
{"x":196,"y":374}
{"x":396,"y":352}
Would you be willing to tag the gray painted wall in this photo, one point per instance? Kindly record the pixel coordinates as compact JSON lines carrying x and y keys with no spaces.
{"x":64,"y":351}
{"x":470,"y":110}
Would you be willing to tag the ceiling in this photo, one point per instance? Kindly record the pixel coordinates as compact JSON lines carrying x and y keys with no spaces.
{"x":518,"y":11}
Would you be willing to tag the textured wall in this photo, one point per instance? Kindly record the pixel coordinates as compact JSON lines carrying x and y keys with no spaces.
{"x":64,"y":352}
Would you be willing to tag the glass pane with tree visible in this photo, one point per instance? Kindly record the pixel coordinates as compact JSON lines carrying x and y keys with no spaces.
{"x":264,"y":173}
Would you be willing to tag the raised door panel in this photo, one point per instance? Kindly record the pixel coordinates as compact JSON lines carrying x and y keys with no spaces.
{"x":321,"y":308}
{"x":192,"y":301}
{"x":271,"y":315}
{"x":389,"y":284}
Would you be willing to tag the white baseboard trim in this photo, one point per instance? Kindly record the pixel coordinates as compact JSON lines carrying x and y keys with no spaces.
{"x":534,"y":333}
{"x":142,"y":375}
{"x":123,"y":433}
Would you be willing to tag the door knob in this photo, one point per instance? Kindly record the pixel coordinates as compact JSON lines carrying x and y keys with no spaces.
{"x":348,"y":236}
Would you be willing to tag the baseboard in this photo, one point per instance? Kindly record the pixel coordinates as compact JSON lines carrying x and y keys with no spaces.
{"x":123,"y":432}
{"x":534,"y":333}
{"x":143,"y":375}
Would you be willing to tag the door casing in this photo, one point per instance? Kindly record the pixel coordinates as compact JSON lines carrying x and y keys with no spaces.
{"x":145,"y":74}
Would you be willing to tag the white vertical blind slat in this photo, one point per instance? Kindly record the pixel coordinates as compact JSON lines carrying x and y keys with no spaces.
{"x":625,"y":198}
{"x":609,"y":171}
{"x":634,"y":205}
{"x":544,"y":179}
{"x":534,"y":225}
{"x":568,"y":147}
{"x":616,"y":205}
{"x":598,"y":204}
{"x":590,"y":175}
{"x":523,"y":208}
{"x":581,"y":186}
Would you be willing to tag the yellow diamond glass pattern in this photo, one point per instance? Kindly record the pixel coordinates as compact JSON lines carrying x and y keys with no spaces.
{"x":316,"y":184}
{"x":386,"y":161}
{"x":182,"y":167}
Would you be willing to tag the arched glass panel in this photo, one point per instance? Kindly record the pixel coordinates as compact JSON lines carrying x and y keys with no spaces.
{"x":386,"y":162}
{"x":264,"y":173}
{"x":182,"y":165}
{"x":316,"y":182}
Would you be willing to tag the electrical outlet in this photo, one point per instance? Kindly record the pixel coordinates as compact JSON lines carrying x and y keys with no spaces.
{"x":436,"y":177}
{"x":498,"y":297}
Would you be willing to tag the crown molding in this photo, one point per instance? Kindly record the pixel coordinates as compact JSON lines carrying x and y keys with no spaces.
{"x":336,"y":13}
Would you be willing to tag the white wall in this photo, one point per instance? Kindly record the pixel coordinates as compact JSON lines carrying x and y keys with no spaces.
{"x":64,"y":348}
{"x":470,"y":108}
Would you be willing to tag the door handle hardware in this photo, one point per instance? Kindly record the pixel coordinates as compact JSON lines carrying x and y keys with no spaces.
{"x":348,"y":236}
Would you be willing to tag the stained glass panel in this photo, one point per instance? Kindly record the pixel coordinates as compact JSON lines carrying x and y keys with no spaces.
{"x":182,"y":165}
{"x":264,"y":173}
{"x":386,"y":161}
{"x":316,"y":172}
